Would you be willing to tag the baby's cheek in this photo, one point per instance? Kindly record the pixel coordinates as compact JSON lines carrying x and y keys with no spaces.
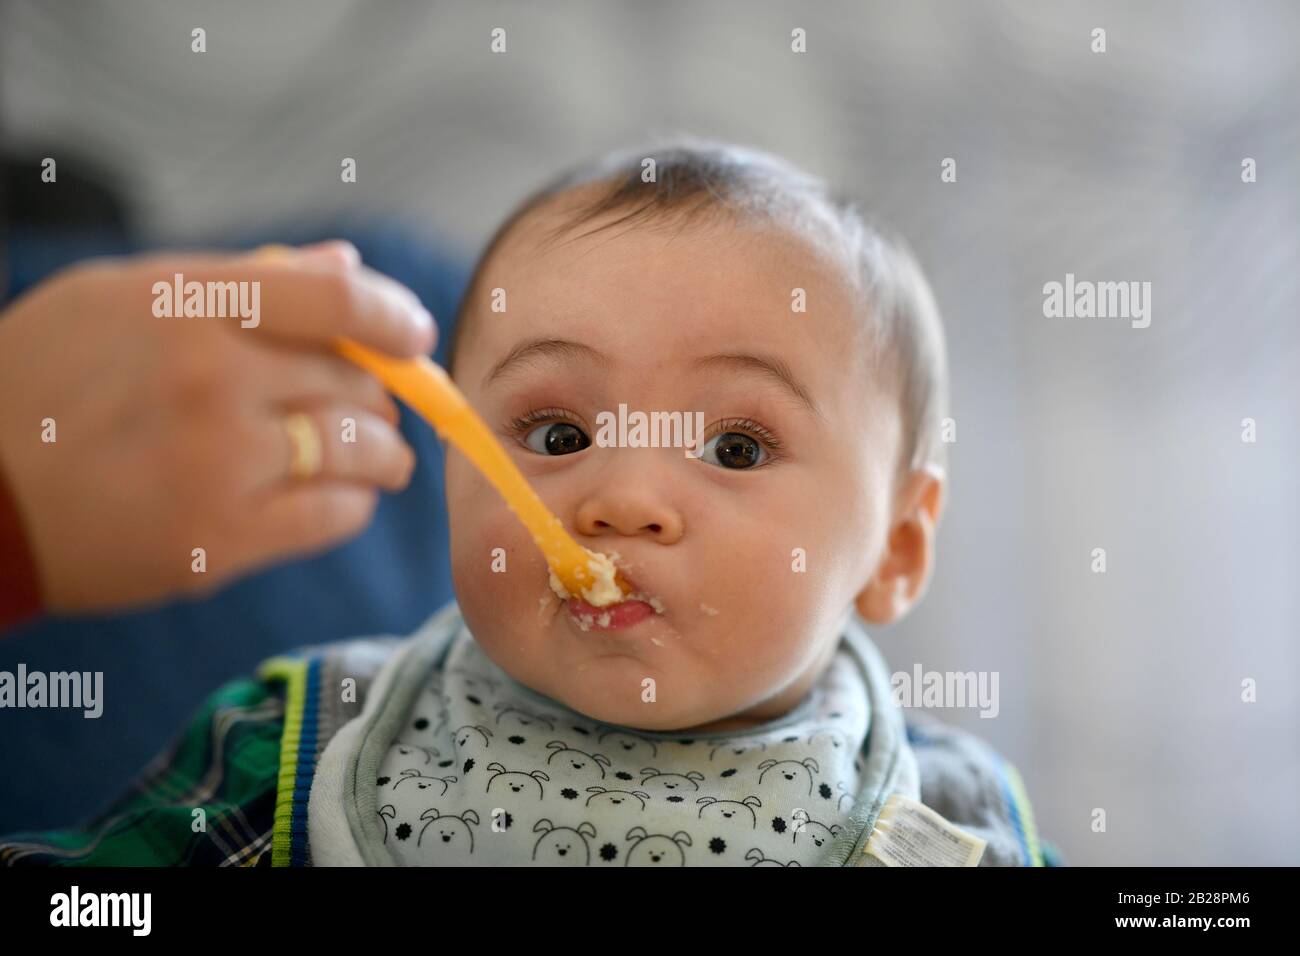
{"x":495,"y":564}
{"x":787,"y":584}
{"x":774,"y":564}
{"x":757,"y":599}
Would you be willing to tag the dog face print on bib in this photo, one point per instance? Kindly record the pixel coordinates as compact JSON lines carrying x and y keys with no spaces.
{"x":485,"y":772}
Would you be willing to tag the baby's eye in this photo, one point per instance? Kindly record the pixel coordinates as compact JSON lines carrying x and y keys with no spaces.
{"x":557,"y":438}
{"x":733,"y":450}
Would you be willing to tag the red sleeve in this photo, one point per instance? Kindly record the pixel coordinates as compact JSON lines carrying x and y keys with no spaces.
{"x":20,"y":588}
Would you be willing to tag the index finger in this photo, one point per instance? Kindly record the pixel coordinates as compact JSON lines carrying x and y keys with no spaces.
{"x":315,"y":300}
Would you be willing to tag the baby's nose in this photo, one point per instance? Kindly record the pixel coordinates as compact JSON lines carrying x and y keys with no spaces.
{"x":631,"y":510}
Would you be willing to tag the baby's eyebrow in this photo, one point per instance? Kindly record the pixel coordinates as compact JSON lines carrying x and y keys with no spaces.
{"x":549,"y":348}
{"x":567,"y":349}
{"x":770,"y":366}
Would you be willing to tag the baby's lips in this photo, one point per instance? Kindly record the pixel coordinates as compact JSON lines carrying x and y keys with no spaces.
{"x":634,"y":592}
{"x":630,"y":588}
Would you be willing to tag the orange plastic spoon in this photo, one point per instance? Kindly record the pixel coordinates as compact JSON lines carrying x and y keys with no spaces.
{"x":427,"y":389}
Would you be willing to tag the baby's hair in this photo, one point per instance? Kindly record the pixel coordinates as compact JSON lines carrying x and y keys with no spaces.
{"x":694,"y":180}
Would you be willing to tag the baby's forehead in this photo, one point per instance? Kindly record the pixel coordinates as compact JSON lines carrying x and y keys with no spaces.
{"x":577,"y":214}
{"x":682,"y":282}
{"x":689,"y":252}
{"x":659,"y":292}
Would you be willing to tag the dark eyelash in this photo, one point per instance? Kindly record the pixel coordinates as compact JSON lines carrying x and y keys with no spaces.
{"x":774,"y":445}
{"x":539,"y":416}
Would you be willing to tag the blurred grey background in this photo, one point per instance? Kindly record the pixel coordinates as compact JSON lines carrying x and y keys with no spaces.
{"x":1119,"y":691}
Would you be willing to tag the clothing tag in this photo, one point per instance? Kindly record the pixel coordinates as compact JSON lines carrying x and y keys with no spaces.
{"x":908,"y":833}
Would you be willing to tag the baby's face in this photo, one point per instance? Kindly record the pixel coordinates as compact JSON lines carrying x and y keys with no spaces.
{"x":755,"y":550}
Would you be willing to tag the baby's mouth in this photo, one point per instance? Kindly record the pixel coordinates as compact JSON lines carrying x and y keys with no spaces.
{"x":611,"y":618}
{"x":636,"y":608}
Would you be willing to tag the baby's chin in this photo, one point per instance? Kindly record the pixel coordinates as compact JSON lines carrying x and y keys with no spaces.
{"x":613,"y":691}
{"x":648,"y":716}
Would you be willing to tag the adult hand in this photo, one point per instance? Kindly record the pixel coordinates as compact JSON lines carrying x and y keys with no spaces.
{"x":129,"y":440}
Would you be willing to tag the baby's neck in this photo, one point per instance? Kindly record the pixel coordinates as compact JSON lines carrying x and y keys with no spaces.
{"x":729,"y":723}
{"x":776,"y":706}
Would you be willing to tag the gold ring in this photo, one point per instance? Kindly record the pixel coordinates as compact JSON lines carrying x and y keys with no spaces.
{"x":305,"y":439}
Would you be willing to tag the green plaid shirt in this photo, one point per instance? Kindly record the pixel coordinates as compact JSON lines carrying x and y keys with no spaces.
{"x":225,"y":764}
{"x":228,"y":763}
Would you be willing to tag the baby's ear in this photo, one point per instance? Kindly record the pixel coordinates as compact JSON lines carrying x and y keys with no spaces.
{"x":908,"y":559}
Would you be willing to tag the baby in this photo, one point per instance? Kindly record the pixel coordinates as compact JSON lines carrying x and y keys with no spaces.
{"x":733,"y":712}
{"x":728,"y":284}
